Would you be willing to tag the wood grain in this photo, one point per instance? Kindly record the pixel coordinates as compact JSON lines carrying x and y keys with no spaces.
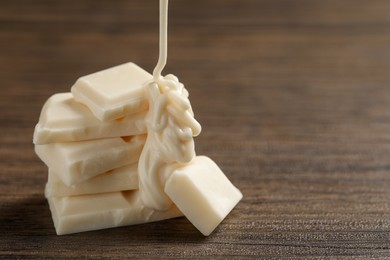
{"x":293,"y":96}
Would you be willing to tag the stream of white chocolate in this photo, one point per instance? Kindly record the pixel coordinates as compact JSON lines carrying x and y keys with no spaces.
{"x":163,"y":44}
{"x":171,"y":127}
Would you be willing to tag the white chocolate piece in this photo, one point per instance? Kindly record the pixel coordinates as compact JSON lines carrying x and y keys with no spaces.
{"x":93,"y":212}
{"x":121,"y":179}
{"x":203,"y":193}
{"x":113,"y":93}
{"x":75,"y":162}
{"x":63,"y":119}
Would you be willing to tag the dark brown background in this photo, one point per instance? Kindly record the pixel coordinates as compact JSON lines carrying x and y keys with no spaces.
{"x":293,"y":96}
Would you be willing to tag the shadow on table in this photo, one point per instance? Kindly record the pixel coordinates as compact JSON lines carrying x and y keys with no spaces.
{"x":177,"y":230}
{"x":31,"y":217}
{"x":26,"y":216}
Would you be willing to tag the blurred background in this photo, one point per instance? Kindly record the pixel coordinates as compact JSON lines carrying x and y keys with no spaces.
{"x":293,"y":97}
{"x":310,"y":46}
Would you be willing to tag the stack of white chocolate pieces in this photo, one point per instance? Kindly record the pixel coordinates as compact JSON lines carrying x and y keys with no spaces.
{"x":91,"y":141}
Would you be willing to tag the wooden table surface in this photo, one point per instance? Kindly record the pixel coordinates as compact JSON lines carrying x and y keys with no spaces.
{"x":293,"y":97}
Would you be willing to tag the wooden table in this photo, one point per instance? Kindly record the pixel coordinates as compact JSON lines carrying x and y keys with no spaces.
{"x":293,"y":97}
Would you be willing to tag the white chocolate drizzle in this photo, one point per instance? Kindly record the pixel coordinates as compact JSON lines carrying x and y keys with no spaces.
{"x":171,"y":127}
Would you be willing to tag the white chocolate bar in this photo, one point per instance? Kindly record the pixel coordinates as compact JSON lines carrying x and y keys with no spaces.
{"x":92,"y":212}
{"x":113,"y":93}
{"x":76,"y":162}
{"x":63,"y":119}
{"x":203,"y":193}
{"x":121,"y":179}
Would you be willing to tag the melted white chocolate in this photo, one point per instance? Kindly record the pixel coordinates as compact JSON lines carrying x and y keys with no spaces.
{"x":171,"y":127}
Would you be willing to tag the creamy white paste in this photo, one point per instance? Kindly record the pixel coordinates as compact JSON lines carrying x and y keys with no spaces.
{"x":171,"y":127}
